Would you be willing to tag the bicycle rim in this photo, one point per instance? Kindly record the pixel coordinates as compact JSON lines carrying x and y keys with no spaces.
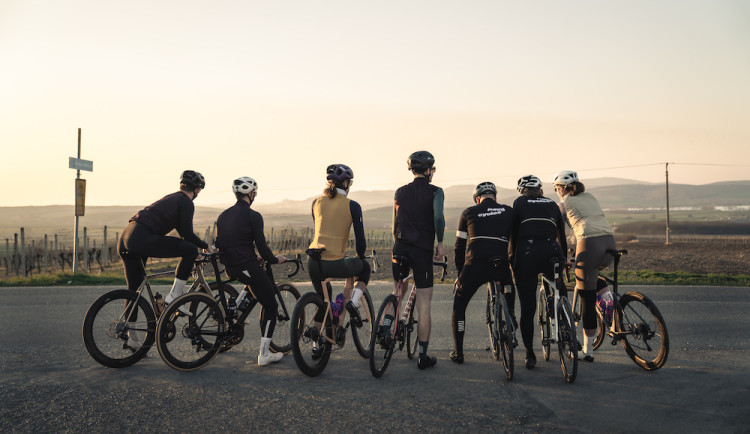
{"x":412,"y":326}
{"x":362,"y":335}
{"x":118,"y":330}
{"x":504,"y":326}
{"x":492,"y":325}
{"x":282,"y":339}
{"x":311,"y":351}
{"x":384,"y":342}
{"x":567,"y":344}
{"x":187,"y":342}
{"x":645,"y":339}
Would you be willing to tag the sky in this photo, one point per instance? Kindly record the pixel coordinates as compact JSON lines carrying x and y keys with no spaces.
{"x":277,"y":90}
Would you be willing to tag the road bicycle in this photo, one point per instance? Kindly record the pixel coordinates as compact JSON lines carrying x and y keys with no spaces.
{"x":119,"y":327}
{"x":316,"y":332}
{"x":499,"y":320}
{"x":389,"y":334}
{"x":556,"y":321}
{"x":635,"y":321}
{"x":197,"y":326}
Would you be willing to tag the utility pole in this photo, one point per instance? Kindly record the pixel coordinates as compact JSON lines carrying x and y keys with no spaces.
{"x":666,"y":168}
{"x":78,"y":164}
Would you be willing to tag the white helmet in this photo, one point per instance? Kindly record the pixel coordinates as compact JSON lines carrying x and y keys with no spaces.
{"x":566,"y":177}
{"x":528,"y":181}
{"x":244,"y":185}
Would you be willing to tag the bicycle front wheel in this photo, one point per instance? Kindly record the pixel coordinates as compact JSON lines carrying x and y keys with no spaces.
{"x":383,"y":342}
{"x":544,"y":319}
{"x":310,"y":348}
{"x":567,"y":345}
{"x":362,"y":335}
{"x":504,"y":327}
{"x":189,"y":332}
{"x":645,"y":334}
{"x":282,"y":339}
{"x":118,"y":329}
{"x":578,"y":319}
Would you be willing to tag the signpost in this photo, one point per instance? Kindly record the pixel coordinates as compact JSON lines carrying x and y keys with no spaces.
{"x":78,"y":165}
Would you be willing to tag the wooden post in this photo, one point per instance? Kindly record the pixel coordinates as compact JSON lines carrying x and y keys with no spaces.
{"x":23,"y":252}
{"x":666,"y":168}
{"x":105,"y":249}
{"x":85,"y":249}
{"x":46,"y":254}
{"x":7,"y":256}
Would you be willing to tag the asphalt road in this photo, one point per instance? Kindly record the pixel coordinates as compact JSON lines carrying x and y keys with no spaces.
{"x":48,"y":382}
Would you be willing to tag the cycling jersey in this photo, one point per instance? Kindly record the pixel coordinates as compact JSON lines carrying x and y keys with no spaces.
{"x":418,"y":214}
{"x":585,"y":216}
{"x":333,"y":218}
{"x":173,"y":211}
{"x":239,"y":231}
{"x":486,"y":228}
{"x":537,"y":217}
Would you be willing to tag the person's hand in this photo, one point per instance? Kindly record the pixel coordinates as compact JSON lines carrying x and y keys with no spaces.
{"x":282,"y":258}
{"x":260,"y":260}
{"x":440,"y":251}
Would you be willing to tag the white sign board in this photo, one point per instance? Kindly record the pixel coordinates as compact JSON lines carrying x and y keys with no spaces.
{"x":78,"y":164}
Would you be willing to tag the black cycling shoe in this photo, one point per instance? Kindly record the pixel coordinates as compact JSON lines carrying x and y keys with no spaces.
{"x":457,"y":358}
{"x":586,"y":358}
{"x":426,"y":362}
{"x":354,"y":319}
{"x":530,"y":360}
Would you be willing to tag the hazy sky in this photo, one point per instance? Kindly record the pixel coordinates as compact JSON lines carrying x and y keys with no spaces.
{"x":277,"y":90}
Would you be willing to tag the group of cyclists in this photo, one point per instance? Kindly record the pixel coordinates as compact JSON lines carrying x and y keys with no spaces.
{"x":525,"y":237}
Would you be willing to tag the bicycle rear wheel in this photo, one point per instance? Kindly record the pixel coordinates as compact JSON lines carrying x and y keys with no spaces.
{"x":383,"y":342}
{"x":311,"y":350}
{"x":412,"y":328}
{"x":282,"y":339}
{"x":189,"y":332}
{"x":645,"y":334}
{"x":492,"y":325}
{"x":567,"y":344}
{"x":362,"y":335}
{"x":503,"y":326}
{"x":118,"y":329}
{"x":544,"y":319}
{"x":578,"y":319}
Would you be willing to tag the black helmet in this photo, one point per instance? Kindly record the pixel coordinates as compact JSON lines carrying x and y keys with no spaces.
{"x":528,"y":181}
{"x":485,"y":188}
{"x":420,"y":161}
{"x":192,"y":179}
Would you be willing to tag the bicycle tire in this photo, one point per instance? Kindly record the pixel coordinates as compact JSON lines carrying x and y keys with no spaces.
{"x":105,"y":331}
{"x":383,"y":343}
{"x":491,"y":322}
{"x":578,"y":319}
{"x":305,"y":335}
{"x":503,"y":326}
{"x":362,"y":335}
{"x":282,"y":339}
{"x":544,"y":322}
{"x":641,"y":322}
{"x":412,"y":331}
{"x":196,"y":338}
{"x":567,"y":344}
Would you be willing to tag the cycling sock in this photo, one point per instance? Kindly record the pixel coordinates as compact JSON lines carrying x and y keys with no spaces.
{"x":264,"y":344}
{"x":177,"y":288}
{"x":423,"y":348}
{"x":588,"y":344}
{"x":356,"y":296}
{"x":240,"y":298}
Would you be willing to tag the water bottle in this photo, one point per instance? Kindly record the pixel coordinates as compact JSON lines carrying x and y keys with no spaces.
{"x":232,"y":308}
{"x":159,"y":303}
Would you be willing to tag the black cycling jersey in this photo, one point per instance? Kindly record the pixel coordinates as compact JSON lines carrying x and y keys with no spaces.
{"x":173,"y":211}
{"x":537,"y":218}
{"x":418,"y":214}
{"x":239,"y":230}
{"x":486,"y":228}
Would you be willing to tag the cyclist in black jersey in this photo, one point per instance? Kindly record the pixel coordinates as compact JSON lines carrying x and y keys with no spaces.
{"x":334,"y":214}
{"x":538,"y":236}
{"x":418,"y":220}
{"x":239,"y":231}
{"x":483,"y":233}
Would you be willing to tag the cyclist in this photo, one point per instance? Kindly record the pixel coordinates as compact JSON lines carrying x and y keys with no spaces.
{"x":593,"y":238}
{"x":417,"y":221}
{"x":538,"y":236}
{"x":145,"y":236}
{"x":334,"y":214}
{"x":239,"y":231}
{"x":483,"y":233}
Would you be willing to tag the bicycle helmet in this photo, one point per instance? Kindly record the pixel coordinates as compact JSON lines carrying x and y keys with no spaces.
{"x":339,"y":172}
{"x":192,"y":179}
{"x":420,"y":161}
{"x":485,"y":188}
{"x":528,"y":181}
{"x":566,"y":177}
{"x":244,"y":185}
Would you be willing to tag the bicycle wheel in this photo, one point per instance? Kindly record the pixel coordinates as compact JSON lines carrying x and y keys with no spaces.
{"x":567,"y":345}
{"x":237,"y":331}
{"x":362,"y":335}
{"x":109,"y":337}
{"x":578,"y":319}
{"x":544,"y":320}
{"x":188,"y":341}
{"x":645,"y":334}
{"x":310,"y":348}
{"x":383,"y":342}
{"x":491,"y":324}
{"x":504,"y":327}
{"x":282,"y":340}
{"x":412,"y":328}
